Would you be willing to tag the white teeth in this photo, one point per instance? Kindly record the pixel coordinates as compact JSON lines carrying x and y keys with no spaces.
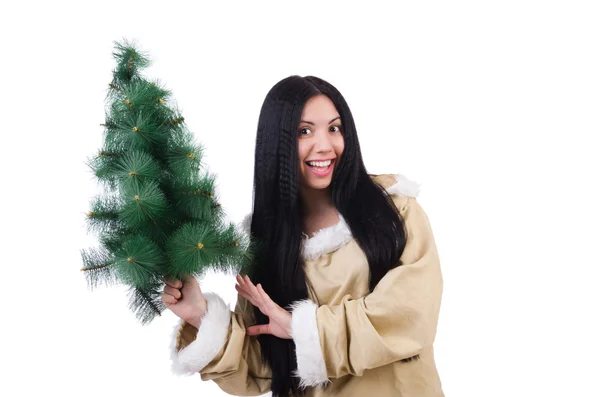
{"x":320,"y":164}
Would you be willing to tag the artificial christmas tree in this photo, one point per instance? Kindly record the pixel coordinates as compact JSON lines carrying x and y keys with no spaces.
{"x":159,"y":215}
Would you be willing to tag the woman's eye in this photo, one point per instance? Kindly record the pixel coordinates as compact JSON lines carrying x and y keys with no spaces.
{"x":336,"y":130}
{"x":302,"y":131}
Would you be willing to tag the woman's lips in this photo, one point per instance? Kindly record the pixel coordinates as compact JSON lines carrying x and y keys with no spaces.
{"x":323,"y":172}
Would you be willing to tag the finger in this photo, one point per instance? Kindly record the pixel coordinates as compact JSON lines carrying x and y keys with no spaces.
{"x":241,"y":282}
{"x":242,"y":291}
{"x":276,"y":312}
{"x":265,"y":297}
{"x":174,"y":292}
{"x":252,"y":290}
{"x":246,"y":295}
{"x":259,"y":329}
{"x":239,"y":279}
{"x":173,"y":283}
{"x":253,"y":300}
{"x":247,"y":286}
{"x":168,"y":299}
{"x":254,"y":296}
{"x":266,"y":302}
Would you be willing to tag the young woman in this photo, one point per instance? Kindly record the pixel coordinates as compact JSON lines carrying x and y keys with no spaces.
{"x":344,"y":296}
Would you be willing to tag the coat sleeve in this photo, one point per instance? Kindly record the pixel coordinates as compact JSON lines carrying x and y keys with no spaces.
{"x":220,"y":350}
{"x":392,"y":323}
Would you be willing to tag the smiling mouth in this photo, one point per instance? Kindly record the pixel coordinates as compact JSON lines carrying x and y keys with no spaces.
{"x":320,"y":164}
{"x":321,"y":169}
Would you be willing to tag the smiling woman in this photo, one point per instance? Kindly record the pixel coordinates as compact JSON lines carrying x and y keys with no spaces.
{"x":344,"y":295}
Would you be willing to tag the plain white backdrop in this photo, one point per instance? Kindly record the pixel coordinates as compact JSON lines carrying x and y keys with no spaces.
{"x":491,"y":106}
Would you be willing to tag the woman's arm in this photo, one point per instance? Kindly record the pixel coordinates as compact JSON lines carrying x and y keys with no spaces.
{"x":220,"y":350}
{"x":392,"y":323}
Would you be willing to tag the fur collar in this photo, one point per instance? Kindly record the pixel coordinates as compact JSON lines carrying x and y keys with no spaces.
{"x":336,"y":236}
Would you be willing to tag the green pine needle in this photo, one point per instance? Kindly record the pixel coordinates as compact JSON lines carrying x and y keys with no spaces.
{"x":232,"y":255}
{"x":143,"y":205}
{"x":112,"y":239}
{"x":135,"y":167}
{"x":184,"y":157}
{"x":146,"y":303}
{"x":103,"y":165}
{"x":130,"y":61}
{"x":142,"y":94}
{"x":196,"y":247}
{"x":138,"y":262}
{"x":141,"y":130}
{"x":98,"y":268}
{"x":103,"y":215}
{"x":195,"y":198}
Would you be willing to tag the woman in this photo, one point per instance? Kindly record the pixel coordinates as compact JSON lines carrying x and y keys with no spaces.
{"x":351,"y":255}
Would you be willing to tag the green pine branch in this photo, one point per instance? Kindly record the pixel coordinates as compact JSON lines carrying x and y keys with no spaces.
{"x":103,"y":215}
{"x":146,"y":303}
{"x":98,"y":268}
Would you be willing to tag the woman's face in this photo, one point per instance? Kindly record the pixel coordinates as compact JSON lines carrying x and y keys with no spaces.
{"x":320,"y":142}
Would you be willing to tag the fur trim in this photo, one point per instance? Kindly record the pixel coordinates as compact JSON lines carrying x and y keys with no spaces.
{"x":311,"y":365}
{"x":336,"y":236}
{"x":326,"y":240}
{"x":404,"y":187}
{"x":211,"y":337}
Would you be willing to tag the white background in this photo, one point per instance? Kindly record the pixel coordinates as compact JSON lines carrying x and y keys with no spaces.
{"x":491,"y":106}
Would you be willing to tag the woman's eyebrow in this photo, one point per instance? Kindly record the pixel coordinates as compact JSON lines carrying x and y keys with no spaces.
{"x":311,"y":123}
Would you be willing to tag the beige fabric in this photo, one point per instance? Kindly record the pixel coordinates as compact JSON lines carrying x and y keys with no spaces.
{"x":378,"y":343}
{"x":237,"y":368}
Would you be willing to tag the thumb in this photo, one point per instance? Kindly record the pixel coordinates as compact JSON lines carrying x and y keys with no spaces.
{"x":258,"y":329}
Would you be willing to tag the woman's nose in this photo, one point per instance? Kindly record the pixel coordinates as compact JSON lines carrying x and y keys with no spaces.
{"x":323,"y":142}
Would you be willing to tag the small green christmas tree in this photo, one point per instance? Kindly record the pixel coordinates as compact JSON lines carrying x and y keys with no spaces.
{"x":158,"y":215}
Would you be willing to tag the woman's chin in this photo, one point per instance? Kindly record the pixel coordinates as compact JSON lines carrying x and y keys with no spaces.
{"x":312,"y":180}
{"x":318,"y":184}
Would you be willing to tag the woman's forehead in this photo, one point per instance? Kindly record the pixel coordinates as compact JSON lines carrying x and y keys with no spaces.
{"x":319,"y":110}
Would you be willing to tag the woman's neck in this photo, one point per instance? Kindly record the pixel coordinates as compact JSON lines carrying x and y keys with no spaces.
{"x":318,"y":211}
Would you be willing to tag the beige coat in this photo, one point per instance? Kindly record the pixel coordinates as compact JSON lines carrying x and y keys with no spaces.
{"x":349,"y":342}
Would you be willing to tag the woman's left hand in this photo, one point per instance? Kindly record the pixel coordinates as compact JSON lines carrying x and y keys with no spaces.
{"x":280,"y":320}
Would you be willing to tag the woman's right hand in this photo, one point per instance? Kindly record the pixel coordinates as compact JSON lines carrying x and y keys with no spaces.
{"x":185,"y":300}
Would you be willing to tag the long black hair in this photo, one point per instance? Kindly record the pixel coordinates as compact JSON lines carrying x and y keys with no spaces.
{"x":370,"y":213}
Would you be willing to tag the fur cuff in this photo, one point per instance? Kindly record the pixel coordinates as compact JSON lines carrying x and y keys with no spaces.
{"x":211,"y":337}
{"x":311,"y":365}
